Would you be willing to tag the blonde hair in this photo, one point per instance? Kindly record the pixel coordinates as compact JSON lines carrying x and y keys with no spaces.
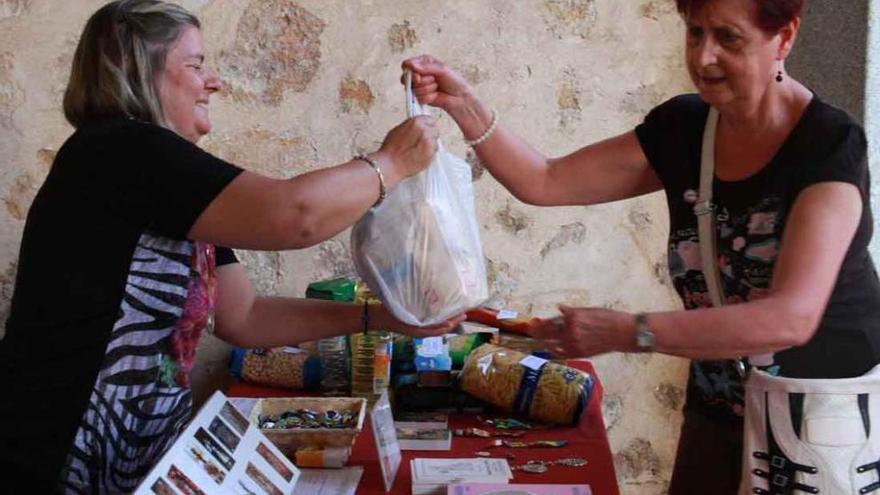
{"x":121,"y":52}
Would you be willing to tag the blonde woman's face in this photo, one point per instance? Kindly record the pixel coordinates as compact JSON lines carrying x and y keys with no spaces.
{"x":185,"y":86}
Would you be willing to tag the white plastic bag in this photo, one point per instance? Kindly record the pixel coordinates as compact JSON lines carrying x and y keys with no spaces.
{"x":420,"y":249}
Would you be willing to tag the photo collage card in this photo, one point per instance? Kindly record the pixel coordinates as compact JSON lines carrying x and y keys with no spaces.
{"x":220,"y":452}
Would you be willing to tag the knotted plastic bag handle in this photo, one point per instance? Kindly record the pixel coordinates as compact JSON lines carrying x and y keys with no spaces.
{"x":413,"y":107}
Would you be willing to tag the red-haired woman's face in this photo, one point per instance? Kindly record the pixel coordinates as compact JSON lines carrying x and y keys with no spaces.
{"x":729,"y":57}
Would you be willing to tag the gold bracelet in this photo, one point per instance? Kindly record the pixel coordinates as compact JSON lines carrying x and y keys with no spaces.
{"x":382,"y":190}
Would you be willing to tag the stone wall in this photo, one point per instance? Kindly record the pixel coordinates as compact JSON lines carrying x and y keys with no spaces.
{"x":310,"y":83}
{"x":872,"y":106}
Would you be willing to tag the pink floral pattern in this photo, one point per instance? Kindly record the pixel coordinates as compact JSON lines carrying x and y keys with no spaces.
{"x":198,"y":313}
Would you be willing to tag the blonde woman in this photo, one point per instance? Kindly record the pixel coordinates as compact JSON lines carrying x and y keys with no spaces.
{"x":119,"y":274}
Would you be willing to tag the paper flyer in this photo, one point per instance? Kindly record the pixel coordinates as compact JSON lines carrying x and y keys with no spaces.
{"x":342,"y":481}
{"x":221,"y":452}
{"x":386,"y":440}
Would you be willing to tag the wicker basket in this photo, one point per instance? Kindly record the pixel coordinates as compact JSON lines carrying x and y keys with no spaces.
{"x":290,"y":439}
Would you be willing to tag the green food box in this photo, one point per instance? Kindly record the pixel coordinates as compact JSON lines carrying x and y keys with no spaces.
{"x":337,"y":289}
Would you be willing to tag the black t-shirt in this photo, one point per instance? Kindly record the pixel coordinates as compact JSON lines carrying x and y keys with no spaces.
{"x":109,"y":301}
{"x":825,"y":145}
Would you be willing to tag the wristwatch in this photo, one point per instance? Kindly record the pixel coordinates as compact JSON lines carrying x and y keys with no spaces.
{"x":644,"y":335}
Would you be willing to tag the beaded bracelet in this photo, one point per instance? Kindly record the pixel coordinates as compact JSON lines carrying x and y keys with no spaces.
{"x":489,"y":131}
{"x":382,"y":190}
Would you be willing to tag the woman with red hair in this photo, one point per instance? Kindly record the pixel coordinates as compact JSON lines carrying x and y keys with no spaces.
{"x":792,"y":225}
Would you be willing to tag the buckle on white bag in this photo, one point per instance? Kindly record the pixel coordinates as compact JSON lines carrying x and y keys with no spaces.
{"x":740,"y":366}
{"x":703,"y":208}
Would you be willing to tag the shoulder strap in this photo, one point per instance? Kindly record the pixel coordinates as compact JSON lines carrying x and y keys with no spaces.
{"x":705,"y":211}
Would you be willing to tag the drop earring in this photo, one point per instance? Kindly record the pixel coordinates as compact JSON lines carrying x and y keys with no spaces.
{"x":779,"y":73}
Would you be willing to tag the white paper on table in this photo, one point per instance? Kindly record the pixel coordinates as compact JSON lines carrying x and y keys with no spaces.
{"x":342,"y":481}
{"x":385,"y":436}
{"x":439,"y":470}
{"x":221,"y":452}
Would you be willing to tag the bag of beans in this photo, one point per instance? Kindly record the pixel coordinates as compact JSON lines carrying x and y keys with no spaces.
{"x":287,"y":367}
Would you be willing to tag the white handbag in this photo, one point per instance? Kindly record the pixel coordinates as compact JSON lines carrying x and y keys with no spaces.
{"x":811,"y":435}
{"x":800,"y":435}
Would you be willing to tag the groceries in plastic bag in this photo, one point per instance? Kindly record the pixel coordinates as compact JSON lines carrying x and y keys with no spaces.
{"x":420,"y":249}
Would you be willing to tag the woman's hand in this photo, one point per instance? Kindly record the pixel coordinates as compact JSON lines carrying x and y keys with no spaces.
{"x":585,"y":332}
{"x":385,"y":320}
{"x":408,"y":148}
{"x":437,"y":85}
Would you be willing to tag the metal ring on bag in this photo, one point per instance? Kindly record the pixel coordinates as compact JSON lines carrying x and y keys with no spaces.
{"x":740,"y":367}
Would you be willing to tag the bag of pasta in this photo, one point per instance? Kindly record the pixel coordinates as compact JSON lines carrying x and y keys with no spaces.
{"x":420,"y":249}
{"x":526,"y":385}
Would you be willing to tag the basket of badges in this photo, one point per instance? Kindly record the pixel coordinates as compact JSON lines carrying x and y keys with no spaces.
{"x":309,"y":422}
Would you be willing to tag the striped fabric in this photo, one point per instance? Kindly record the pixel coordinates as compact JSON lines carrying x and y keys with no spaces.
{"x":141,"y":400}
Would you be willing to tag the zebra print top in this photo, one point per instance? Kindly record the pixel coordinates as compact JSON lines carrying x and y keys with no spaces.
{"x":109,"y":303}
{"x":141,"y":399}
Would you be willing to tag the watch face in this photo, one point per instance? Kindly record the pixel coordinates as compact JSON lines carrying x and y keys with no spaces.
{"x":644,"y":339}
{"x":644,"y":335}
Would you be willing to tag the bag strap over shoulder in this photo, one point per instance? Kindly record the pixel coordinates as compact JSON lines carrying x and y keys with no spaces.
{"x":705,"y":211}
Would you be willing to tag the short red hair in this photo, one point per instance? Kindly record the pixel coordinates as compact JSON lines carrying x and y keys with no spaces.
{"x":772,"y":14}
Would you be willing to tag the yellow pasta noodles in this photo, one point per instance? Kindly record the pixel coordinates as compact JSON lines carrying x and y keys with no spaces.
{"x":553,"y":393}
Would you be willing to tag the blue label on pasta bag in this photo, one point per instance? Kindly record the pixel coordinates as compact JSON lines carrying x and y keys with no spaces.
{"x":526,"y":393}
{"x":586,"y":393}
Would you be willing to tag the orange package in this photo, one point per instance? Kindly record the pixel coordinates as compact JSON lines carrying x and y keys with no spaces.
{"x":517,"y":324}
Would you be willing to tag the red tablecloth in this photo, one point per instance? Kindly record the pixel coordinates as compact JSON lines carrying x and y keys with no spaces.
{"x":587,"y":441}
